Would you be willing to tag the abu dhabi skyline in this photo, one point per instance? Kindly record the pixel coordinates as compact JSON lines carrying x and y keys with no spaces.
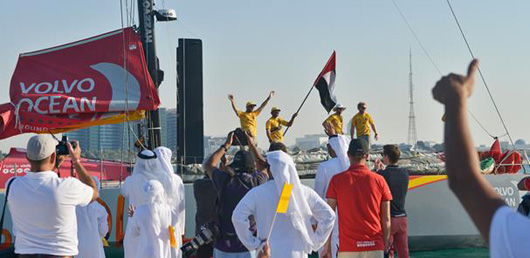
{"x":251,"y":48}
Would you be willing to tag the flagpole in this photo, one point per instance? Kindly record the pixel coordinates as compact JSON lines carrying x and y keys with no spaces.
{"x":316,"y":81}
{"x":306,"y":96}
{"x":272,"y":226}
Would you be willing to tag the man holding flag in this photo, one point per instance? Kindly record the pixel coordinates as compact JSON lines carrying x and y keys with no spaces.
{"x":325,"y":84}
{"x":274,"y":125}
{"x":284,"y":223}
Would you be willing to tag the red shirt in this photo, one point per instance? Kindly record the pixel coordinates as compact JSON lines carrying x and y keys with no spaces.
{"x":359,"y":193}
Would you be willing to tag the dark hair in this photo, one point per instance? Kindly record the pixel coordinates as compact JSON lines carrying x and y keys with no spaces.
{"x":243,"y":162}
{"x":360,"y":104}
{"x":278,"y":146}
{"x":38,"y":163}
{"x":392,"y":152}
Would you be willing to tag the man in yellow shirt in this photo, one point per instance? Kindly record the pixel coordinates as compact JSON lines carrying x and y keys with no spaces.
{"x":248,"y":118}
{"x":274,"y":125}
{"x":362,"y":122}
{"x":336,"y":119}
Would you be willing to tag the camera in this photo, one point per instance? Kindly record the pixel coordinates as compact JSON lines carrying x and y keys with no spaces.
{"x":240,"y":137}
{"x":207,"y":233}
{"x":61,"y":148}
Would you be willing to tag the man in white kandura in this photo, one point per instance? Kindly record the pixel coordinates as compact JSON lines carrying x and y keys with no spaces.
{"x":150,"y":223}
{"x":293,"y":234}
{"x":339,"y":162}
{"x":92,"y":226}
{"x":176,"y":197}
{"x":147,"y":167}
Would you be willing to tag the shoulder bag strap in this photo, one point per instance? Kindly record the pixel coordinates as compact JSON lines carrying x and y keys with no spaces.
{"x":5,"y":205}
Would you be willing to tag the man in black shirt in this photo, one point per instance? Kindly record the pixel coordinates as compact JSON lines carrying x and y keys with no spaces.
{"x":398,"y":180}
{"x":231,"y":183}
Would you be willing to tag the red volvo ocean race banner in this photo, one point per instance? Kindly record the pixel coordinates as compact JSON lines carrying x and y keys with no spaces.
{"x":88,"y":82}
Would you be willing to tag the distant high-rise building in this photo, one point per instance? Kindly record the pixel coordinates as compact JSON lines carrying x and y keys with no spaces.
{"x":119,"y":136}
{"x":163,"y":124}
{"x":171,"y":128}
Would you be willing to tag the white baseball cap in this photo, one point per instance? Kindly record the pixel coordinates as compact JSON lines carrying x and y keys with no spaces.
{"x":40,"y":147}
{"x":339,"y":106}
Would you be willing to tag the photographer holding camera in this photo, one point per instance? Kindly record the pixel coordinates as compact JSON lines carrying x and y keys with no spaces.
{"x":232,"y":182}
{"x":42,"y":205}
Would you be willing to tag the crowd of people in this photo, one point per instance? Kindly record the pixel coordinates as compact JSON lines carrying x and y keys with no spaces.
{"x":353,"y":210}
{"x":61,"y":217}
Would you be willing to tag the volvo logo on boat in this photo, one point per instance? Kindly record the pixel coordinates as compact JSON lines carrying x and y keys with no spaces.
{"x":507,"y":190}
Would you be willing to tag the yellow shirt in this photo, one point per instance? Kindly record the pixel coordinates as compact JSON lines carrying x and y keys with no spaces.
{"x":362,"y":124}
{"x":336,"y":121}
{"x":274,"y":125}
{"x":248,"y":121}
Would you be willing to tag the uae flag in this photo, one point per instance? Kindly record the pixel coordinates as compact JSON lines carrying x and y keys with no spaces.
{"x":325,"y":84}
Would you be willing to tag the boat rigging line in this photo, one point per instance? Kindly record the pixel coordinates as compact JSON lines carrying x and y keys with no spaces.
{"x":481,"y":75}
{"x":416,"y":37}
{"x":411,"y":30}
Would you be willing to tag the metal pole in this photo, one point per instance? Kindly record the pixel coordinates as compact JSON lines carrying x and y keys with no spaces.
{"x":287,"y":129}
{"x":147,"y":36}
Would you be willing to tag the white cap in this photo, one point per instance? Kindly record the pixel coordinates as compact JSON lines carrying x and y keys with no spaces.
{"x":339,"y":106}
{"x":40,"y":147}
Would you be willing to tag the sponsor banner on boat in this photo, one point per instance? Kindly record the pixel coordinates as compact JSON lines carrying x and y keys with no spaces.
{"x":88,"y":82}
{"x":105,"y":73}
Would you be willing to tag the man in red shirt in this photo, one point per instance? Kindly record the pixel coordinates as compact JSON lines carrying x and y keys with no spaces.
{"x":362,"y":198}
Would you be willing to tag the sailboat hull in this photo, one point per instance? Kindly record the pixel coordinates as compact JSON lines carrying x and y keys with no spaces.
{"x":436,"y":219}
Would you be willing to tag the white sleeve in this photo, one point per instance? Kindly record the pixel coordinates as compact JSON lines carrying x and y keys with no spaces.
{"x":320,"y":180}
{"x":74,"y":192}
{"x":323,"y":215}
{"x":243,"y":210}
{"x":124,"y":189}
{"x":182,"y":204}
{"x":509,"y":234}
{"x":103,"y":224}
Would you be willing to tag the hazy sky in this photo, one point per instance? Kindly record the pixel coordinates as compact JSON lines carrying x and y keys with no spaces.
{"x":252,"y":47}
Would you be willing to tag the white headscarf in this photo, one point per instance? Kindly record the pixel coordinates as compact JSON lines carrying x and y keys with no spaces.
{"x":339,"y":145}
{"x":154,"y":194}
{"x":283,"y":170}
{"x":149,"y":168}
{"x":167,"y":176}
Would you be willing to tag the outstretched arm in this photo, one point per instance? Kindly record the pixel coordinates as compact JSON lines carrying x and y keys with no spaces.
{"x":231,"y":98}
{"x":75,"y":157}
{"x":271,"y":94}
{"x":290,"y":123}
{"x":472,"y":190}
{"x":261,"y":162}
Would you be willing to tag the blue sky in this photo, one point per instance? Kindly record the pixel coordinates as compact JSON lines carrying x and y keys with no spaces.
{"x":253,"y":47}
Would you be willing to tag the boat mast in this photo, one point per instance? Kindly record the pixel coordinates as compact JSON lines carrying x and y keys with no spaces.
{"x":147,"y":36}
